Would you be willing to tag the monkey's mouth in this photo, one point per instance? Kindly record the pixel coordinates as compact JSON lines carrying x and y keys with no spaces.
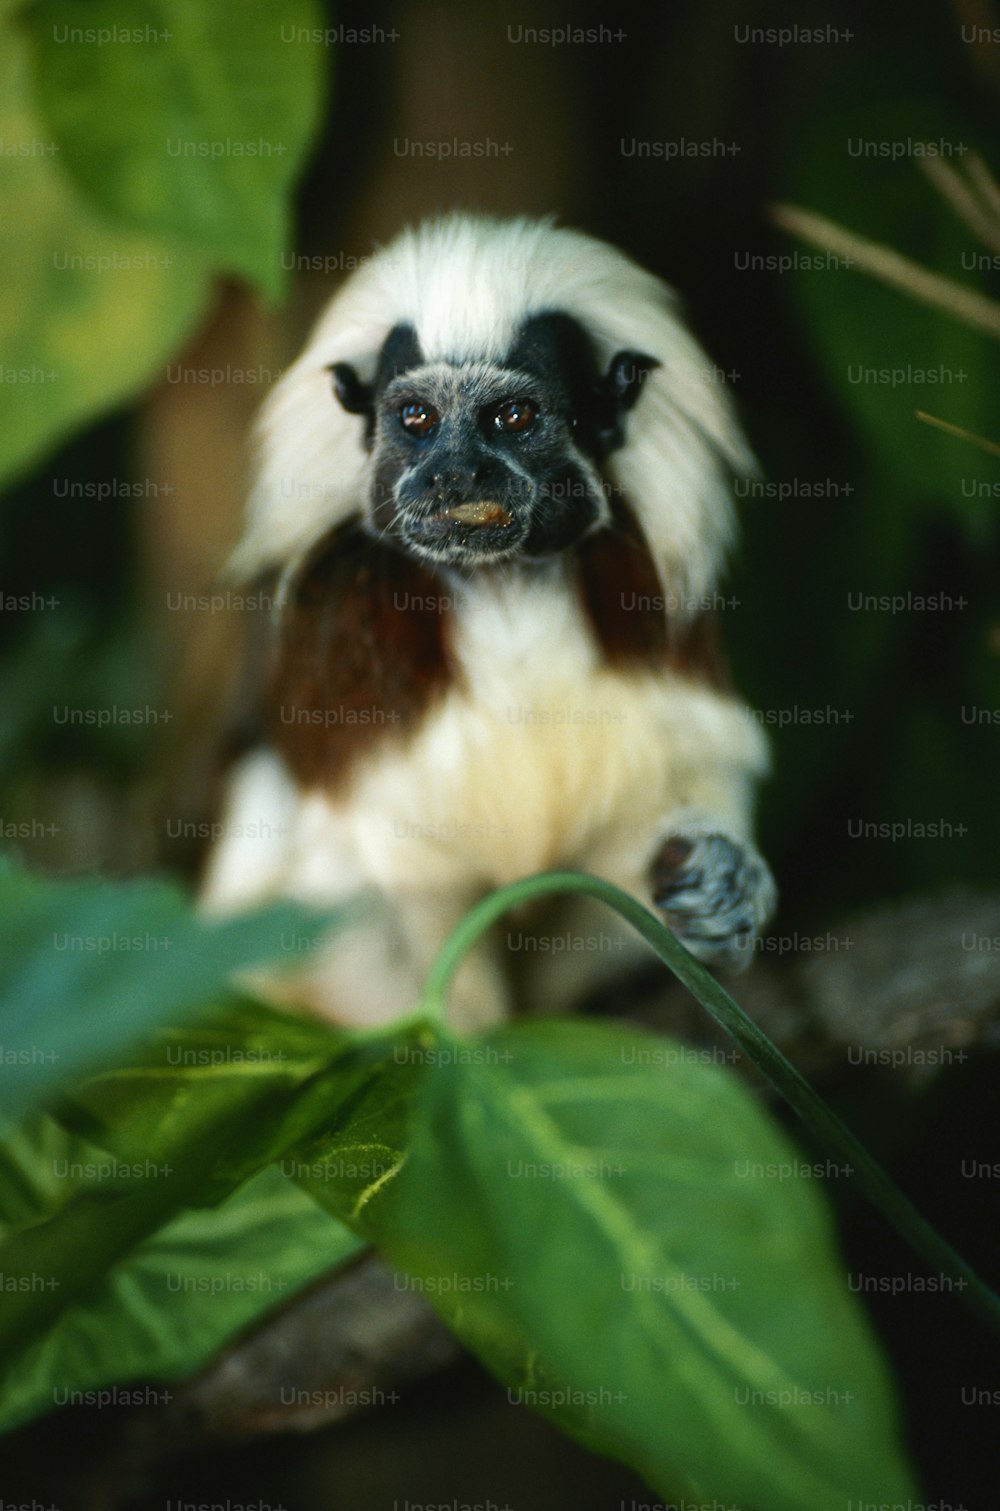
{"x":475,"y":515}
{"x":465,"y":532}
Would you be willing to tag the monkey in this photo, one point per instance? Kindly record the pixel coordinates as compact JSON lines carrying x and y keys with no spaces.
{"x":493,"y":498}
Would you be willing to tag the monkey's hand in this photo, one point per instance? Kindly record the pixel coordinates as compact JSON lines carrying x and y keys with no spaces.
{"x":716,"y":891}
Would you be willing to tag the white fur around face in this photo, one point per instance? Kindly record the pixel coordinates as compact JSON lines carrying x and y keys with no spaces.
{"x":467,"y":284}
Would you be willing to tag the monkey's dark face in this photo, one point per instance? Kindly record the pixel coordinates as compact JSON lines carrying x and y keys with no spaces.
{"x":476,"y":462}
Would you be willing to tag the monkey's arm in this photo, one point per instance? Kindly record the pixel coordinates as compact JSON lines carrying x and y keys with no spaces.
{"x":693,"y":854}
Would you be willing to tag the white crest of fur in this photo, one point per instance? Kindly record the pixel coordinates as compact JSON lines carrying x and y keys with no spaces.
{"x":467,"y":284}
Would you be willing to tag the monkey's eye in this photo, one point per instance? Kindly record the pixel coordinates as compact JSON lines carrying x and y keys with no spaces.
{"x":515,"y":415}
{"x":418,"y":418}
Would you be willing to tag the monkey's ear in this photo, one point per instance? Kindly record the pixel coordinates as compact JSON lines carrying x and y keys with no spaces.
{"x":621,"y":384}
{"x":354,"y":396}
{"x":615,"y":394}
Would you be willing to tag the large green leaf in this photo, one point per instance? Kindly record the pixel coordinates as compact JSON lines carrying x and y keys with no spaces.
{"x":613,"y":1226}
{"x":184,"y":120}
{"x":179,"y":1296}
{"x":622,"y":1234}
{"x":85,"y":966}
{"x":89,"y":311}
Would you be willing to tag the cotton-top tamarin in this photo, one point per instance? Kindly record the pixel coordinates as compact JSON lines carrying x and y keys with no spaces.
{"x":492,"y":495}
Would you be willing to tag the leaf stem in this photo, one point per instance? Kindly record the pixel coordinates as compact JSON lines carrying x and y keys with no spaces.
{"x":821,"y":1120}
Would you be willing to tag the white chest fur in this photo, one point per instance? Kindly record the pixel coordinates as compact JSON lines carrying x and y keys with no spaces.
{"x":543,"y":757}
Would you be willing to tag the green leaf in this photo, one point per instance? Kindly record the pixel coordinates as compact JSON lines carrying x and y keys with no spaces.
{"x":97,"y":309}
{"x":87,"y":966}
{"x":183,"y":120}
{"x":33,"y":1159}
{"x":189,"y":1117}
{"x":580,"y":1203}
{"x":180,"y":1295}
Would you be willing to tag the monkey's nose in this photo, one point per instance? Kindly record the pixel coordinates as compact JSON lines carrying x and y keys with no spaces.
{"x":457,"y":482}
{"x":449,"y":480}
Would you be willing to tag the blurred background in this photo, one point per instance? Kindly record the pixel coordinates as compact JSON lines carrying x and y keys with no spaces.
{"x":862,"y":613}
